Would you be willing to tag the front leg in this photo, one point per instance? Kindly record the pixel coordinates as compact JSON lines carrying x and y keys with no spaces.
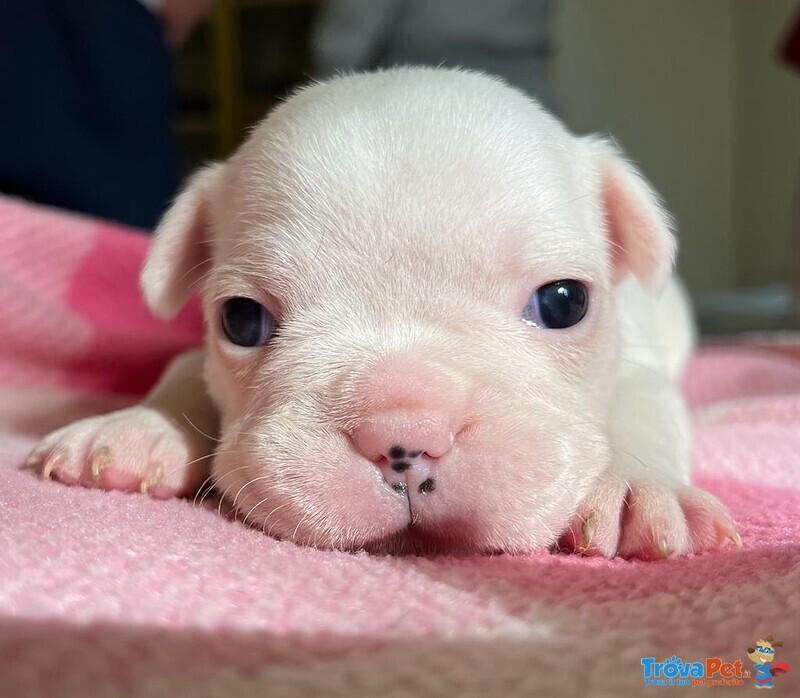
{"x":161,"y":446}
{"x":643,"y":506}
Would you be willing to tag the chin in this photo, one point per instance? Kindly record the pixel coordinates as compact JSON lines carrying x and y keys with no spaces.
{"x":419,"y":540}
{"x":451,"y":537}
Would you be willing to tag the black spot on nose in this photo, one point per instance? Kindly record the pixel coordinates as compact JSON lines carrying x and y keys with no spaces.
{"x":428,"y":485}
{"x":413,"y":454}
{"x":397,"y":452}
{"x":400,"y":487}
{"x":400,"y":466}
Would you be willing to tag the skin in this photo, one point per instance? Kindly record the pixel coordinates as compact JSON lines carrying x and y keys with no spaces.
{"x":396,"y":224}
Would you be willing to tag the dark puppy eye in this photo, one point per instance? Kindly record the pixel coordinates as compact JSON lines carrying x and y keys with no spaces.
{"x":247,"y":323}
{"x":557,"y":305}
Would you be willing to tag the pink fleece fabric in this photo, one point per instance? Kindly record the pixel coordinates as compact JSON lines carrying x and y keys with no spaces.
{"x":105,"y":594}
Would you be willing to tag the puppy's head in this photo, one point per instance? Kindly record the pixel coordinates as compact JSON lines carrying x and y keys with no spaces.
{"x":408,"y":279}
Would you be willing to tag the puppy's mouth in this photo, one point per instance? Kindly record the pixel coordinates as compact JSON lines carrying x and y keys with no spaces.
{"x":416,"y":486}
{"x":451,"y":537}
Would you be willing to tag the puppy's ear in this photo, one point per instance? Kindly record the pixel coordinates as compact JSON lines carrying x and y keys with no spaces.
{"x":181,"y":253}
{"x":638,"y":227}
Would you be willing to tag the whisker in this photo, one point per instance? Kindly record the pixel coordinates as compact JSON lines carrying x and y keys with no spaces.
{"x":637,"y":459}
{"x":297,"y":528}
{"x":200,"y":490}
{"x":247,"y":517}
{"x":199,"y":430}
{"x":263,"y":526}
{"x":214,"y":484}
{"x":255,"y":479}
{"x":222,"y":498}
{"x":192,"y":462}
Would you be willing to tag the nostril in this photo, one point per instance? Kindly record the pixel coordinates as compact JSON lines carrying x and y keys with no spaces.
{"x":427,"y":486}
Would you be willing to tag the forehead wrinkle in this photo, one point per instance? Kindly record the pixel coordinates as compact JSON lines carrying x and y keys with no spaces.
{"x":362,"y":236}
{"x":320,"y":182}
{"x":314,"y":223}
{"x":378,"y":289}
{"x":287,"y":264}
{"x":303,"y":255}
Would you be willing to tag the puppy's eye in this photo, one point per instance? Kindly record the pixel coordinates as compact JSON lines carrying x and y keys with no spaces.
{"x":557,"y":305}
{"x":247,"y":323}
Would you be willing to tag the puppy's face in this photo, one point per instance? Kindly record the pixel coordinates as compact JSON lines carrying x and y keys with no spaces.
{"x":408,"y":283}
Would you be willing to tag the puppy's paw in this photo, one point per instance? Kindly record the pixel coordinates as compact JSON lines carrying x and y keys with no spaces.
{"x":648,"y":521}
{"x":133,"y":450}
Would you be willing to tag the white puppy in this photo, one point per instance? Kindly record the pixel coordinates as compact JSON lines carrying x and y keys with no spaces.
{"x":432,"y":324}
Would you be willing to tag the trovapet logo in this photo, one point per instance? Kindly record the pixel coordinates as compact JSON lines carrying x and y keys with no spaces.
{"x":712,"y":671}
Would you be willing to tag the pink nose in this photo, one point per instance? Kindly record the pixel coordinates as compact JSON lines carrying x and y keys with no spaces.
{"x":405,"y":445}
{"x":397,"y":435}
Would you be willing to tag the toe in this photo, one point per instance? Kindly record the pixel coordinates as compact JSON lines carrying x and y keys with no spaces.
{"x":56,"y":465}
{"x":709,"y":523}
{"x":100,"y":458}
{"x":653,"y":524}
{"x":64,"y":463}
{"x":595,"y":529}
{"x":61,"y":456}
{"x":176,"y":468}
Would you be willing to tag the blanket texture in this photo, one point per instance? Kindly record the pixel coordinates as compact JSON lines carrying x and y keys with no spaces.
{"x":106,"y":594}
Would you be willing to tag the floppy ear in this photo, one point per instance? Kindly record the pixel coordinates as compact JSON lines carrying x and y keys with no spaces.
{"x":181,"y":253}
{"x":638,"y":227}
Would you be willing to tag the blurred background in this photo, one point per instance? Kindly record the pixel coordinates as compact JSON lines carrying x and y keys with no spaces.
{"x":106,"y":104}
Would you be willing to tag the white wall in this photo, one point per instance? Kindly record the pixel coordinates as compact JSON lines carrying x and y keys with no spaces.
{"x":692,"y":93}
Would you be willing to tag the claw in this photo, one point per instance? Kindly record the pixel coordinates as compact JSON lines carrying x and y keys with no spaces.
{"x":55,"y":459}
{"x":100,"y":459}
{"x":588,"y":529}
{"x":49,"y":466}
{"x":153,"y":478}
{"x":33,"y":459}
{"x":727,"y":530}
{"x":733,"y":535}
{"x":663,"y":550}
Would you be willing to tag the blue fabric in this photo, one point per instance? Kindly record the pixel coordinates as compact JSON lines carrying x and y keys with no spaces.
{"x":86,"y":106}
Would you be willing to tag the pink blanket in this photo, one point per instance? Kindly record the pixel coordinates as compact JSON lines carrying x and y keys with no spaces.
{"x":107,"y":594}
